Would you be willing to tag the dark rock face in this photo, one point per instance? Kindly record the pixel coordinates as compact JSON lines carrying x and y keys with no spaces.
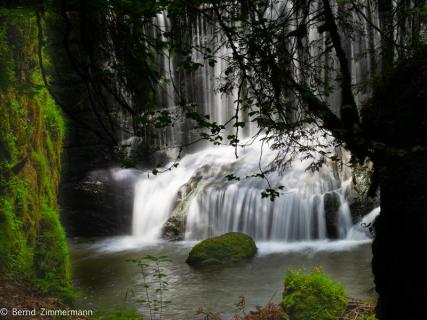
{"x":174,"y":228}
{"x":332,"y":204}
{"x":100,"y":204}
{"x":361,"y":206}
{"x":361,"y":203}
{"x":99,"y":127}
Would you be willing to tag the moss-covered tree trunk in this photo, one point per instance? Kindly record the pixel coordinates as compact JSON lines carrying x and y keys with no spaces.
{"x":33,"y":245}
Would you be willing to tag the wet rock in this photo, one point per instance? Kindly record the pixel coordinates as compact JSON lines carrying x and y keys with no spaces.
{"x":174,"y":228}
{"x":331,"y":204}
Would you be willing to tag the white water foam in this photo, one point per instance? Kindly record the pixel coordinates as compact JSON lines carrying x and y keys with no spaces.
{"x":361,"y":230}
{"x":215,"y":205}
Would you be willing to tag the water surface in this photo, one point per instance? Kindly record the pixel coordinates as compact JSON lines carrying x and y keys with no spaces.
{"x":104,"y":276}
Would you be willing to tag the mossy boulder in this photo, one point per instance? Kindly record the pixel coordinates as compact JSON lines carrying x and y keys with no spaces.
{"x":313,"y":296}
{"x":229,"y":248}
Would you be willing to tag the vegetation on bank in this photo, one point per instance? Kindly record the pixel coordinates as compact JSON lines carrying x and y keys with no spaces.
{"x":33,"y":244}
{"x":313,"y":296}
{"x":118,"y":313}
{"x":228,"y":248}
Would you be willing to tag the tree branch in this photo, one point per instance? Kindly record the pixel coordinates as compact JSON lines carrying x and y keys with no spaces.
{"x":349,"y":111}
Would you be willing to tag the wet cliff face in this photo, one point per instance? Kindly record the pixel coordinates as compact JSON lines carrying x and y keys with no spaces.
{"x":32,"y":241}
{"x":89,"y":70}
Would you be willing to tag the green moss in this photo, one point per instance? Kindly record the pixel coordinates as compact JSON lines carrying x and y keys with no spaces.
{"x":33,"y":245}
{"x":228,"y":248}
{"x":313,"y":296}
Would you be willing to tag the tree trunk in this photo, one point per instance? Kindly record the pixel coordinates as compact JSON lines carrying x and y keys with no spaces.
{"x":399,"y":247}
{"x":385,"y":8}
{"x":397,"y":122}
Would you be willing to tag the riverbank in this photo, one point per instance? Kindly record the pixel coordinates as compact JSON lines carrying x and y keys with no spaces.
{"x":22,"y":299}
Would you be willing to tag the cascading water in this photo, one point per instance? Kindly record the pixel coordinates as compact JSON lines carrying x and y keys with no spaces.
{"x":364,"y":228}
{"x":310,"y":206}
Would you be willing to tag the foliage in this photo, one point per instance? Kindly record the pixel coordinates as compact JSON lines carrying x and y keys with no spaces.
{"x":313,"y":296}
{"x":227,"y":248}
{"x":154,"y":285}
{"x":118,"y":313}
{"x":32,"y":241}
{"x":272,"y":64}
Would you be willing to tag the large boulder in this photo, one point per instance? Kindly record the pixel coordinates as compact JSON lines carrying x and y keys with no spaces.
{"x":229,"y":248}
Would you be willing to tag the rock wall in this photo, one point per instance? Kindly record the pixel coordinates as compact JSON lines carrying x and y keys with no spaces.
{"x":93,"y":202}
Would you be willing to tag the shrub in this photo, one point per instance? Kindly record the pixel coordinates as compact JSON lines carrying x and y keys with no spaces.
{"x":313,"y":296}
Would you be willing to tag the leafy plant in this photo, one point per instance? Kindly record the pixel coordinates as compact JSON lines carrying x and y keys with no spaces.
{"x":154,"y":285}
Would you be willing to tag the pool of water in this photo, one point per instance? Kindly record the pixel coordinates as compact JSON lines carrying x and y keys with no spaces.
{"x":105,"y":277}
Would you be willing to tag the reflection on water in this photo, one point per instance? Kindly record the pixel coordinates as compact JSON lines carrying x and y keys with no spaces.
{"x":104,"y":276}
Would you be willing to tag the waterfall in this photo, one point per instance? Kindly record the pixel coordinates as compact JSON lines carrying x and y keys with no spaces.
{"x":311,"y":205}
